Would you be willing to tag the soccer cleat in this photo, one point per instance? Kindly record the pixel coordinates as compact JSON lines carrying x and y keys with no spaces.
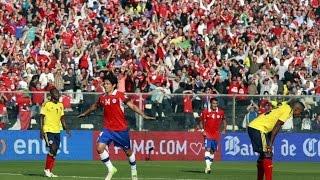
{"x":111,"y":172}
{"x":48,"y":173}
{"x":134,"y":175}
{"x":53,"y":175}
{"x":207,"y":170}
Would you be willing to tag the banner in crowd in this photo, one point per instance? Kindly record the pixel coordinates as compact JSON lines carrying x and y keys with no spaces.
{"x":27,"y":145}
{"x":287,"y":147}
{"x":162,"y":146}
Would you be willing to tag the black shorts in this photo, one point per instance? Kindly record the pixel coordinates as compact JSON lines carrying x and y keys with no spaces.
{"x":259,"y":140}
{"x":52,"y":138}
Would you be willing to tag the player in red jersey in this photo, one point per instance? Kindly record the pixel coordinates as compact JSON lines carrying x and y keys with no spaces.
{"x":211,"y":120}
{"x":115,"y":126}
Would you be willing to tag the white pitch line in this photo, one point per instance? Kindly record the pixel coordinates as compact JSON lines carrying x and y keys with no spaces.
{"x":84,"y":177}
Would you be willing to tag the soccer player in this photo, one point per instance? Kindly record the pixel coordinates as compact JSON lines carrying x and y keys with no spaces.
{"x":263,"y":130}
{"x":115,"y":126}
{"x":211,"y":120}
{"x":52,"y":120}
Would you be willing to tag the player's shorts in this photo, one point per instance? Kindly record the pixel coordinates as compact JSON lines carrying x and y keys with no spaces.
{"x":52,"y":138}
{"x":259,"y":140}
{"x":118,"y":138}
{"x":210,"y":144}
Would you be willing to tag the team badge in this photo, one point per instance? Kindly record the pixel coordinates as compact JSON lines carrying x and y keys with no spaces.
{"x":114,"y":101}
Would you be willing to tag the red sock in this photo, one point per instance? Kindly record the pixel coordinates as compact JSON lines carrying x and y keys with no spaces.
{"x":52,"y":163}
{"x":49,"y":161}
{"x":267,"y":166}
{"x":260,"y":170}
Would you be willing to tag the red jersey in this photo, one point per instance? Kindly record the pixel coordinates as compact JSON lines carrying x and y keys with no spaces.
{"x":37,"y":96}
{"x":66,"y":101}
{"x":22,"y":101}
{"x":212,"y":122}
{"x":187,"y":104}
{"x":113,"y":111}
{"x":233,"y":88}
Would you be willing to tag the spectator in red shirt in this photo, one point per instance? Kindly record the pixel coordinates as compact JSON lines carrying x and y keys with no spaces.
{"x":189,"y":123}
{"x":3,"y":112}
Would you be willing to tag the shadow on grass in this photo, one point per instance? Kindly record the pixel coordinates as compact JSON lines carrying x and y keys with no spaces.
{"x":192,"y":171}
{"x":34,"y":175}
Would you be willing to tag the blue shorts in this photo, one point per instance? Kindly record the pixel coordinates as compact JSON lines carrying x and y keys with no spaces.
{"x":52,"y":138}
{"x":119,"y":138}
{"x":211,"y":144}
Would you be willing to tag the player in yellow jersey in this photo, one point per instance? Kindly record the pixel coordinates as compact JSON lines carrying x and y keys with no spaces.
{"x":263,"y":130}
{"x":52,"y":121}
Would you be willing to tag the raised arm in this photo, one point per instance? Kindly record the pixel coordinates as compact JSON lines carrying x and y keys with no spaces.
{"x":92,"y":108}
{"x":137,"y":110}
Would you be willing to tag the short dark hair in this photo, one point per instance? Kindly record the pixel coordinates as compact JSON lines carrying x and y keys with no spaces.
{"x":52,"y":90}
{"x":293,"y":102}
{"x":213,"y":99}
{"x":301,"y":104}
{"x":111,"y":77}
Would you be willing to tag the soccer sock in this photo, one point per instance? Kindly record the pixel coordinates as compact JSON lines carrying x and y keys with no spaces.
{"x":52,"y":163}
{"x":49,"y":161}
{"x":132,"y":161}
{"x":260,"y":169}
{"x":208,"y":158}
{"x":104,"y":156}
{"x":267,"y":166}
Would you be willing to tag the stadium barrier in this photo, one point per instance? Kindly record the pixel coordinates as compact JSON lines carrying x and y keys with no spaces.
{"x":174,"y":112}
{"x":26,"y":145}
{"x":287,"y":147}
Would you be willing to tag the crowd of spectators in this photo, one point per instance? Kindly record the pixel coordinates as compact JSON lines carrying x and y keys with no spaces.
{"x":266,"y":47}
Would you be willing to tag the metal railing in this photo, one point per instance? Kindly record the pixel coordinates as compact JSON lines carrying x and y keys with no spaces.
{"x":178,"y":112}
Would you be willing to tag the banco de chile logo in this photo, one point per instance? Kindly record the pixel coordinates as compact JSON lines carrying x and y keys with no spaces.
{"x":311,"y":146}
{"x":3,"y":146}
{"x":232,"y":145}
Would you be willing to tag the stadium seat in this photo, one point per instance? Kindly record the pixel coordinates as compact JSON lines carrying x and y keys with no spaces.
{"x":87,"y":126}
{"x":230,"y":128}
{"x":196,"y":115}
{"x":33,"y":122}
{"x":148,"y":106}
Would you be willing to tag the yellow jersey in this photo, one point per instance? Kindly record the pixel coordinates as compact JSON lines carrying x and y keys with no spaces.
{"x":265,"y":122}
{"x":52,"y":116}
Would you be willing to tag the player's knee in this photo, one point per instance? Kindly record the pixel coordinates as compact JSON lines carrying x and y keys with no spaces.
{"x":53,"y":150}
{"x":128,"y":152}
{"x":100,"y":149}
{"x":268,"y":155}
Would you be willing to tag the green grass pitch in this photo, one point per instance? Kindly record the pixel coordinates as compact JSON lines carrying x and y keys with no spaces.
{"x":157,"y":170}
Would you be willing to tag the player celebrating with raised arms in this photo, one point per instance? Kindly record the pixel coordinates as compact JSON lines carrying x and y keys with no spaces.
{"x":211,"y":121}
{"x":263,"y":130}
{"x":52,"y":120}
{"x":115,"y":126}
